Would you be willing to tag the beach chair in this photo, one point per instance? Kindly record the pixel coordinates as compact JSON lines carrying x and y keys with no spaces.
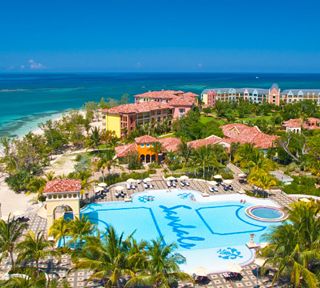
{"x":145,"y":185}
{"x":168,"y":184}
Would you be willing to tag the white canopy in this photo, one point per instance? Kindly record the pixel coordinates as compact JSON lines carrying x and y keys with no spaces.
{"x":148,"y":179}
{"x":184,"y":177}
{"x":212,"y":183}
{"x":241,"y":191}
{"x":259,"y":261}
{"x":234,"y":267}
{"x":17,"y":213}
{"x":228,"y":181}
{"x":98,"y":189}
{"x":131,"y":180}
{"x":102,"y":184}
{"x":242,"y":175}
{"x":119,"y":188}
{"x":171,"y":178}
{"x":217,"y":176}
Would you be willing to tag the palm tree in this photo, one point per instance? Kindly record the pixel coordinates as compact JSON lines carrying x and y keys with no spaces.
{"x":35,"y":247}
{"x":185,"y":151}
{"x":79,"y":228}
{"x":110,"y":258}
{"x":60,"y":229}
{"x":10,"y":231}
{"x":295,"y":246}
{"x":204,"y":158}
{"x":107,"y":160}
{"x":162,"y":268}
{"x":157,"y":149}
{"x":261,"y":178}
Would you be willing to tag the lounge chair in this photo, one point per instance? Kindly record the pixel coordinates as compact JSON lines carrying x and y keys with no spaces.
{"x":169,"y":184}
{"x":145,"y":185}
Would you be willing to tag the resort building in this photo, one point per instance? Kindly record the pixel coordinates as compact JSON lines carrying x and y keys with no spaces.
{"x":149,"y":107}
{"x":124,"y":118}
{"x":241,"y":133}
{"x":144,"y":146}
{"x":295,"y":125}
{"x":257,"y":95}
{"x":62,"y":195}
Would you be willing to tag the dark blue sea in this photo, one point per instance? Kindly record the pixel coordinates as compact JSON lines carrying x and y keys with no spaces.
{"x":29,"y":99}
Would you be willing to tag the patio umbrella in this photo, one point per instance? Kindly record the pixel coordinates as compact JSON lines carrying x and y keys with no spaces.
{"x":306,"y":200}
{"x":234,"y":267}
{"x":212,"y":183}
{"x":98,"y":189}
{"x":184,"y":177}
{"x":131,"y":180}
{"x":217,"y":177}
{"x":17,"y":213}
{"x":171,"y":178}
{"x":201,"y":271}
{"x":147,"y":179}
{"x":118,"y":188}
{"x":242,"y":175}
{"x":228,"y":181}
{"x":102,"y":184}
{"x":241,"y":191}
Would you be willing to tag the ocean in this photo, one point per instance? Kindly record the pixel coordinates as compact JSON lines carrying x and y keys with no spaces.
{"x":29,"y":99}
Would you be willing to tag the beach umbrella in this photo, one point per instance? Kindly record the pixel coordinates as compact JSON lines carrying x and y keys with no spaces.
{"x":131,"y":180}
{"x":227,"y":181}
{"x":184,"y":177}
{"x":201,"y":271}
{"x":102,"y":184}
{"x":171,"y":178}
{"x":98,"y":189}
{"x":306,"y":200}
{"x":212,"y":183}
{"x":17,"y":213}
{"x":148,"y":179}
{"x":234,"y":267}
{"x":218,"y":177}
{"x":118,"y":188}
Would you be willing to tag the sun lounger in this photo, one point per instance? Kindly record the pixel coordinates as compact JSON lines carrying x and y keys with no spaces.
{"x":145,"y":185}
{"x":182,"y":183}
{"x":169,"y":184}
{"x":128,"y":186}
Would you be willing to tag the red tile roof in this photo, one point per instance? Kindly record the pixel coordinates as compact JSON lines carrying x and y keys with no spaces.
{"x":312,"y":123}
{"x":137,"y":107}
{"x":183,"y":101}
{"x":145,"y":139}
{"x":293,"y":123}
{"x":163,"y":94}
{"x":211,"y":140}
{"x":124,"y":150}
{"x":170,"y":144}
{"x":63,"y":185}
{"x":245,"y":134}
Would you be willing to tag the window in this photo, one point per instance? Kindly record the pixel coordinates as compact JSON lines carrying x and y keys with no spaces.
{"x":148,"y":145}
{"x":141,"y":145}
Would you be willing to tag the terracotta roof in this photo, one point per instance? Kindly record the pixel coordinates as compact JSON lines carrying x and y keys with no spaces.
{"x":145,"y":139}
{"x":170,"y":144}
{"x":137,"y":107}
{"x":293,"y":123}
{"x":245,"y":134}
{"x":203,"y":142}
{"x":311,"y":123}
{"x":124,"y":150}
{"x":162,"y":94}
{"x":183,"y":101}
{"x":63,"y":185}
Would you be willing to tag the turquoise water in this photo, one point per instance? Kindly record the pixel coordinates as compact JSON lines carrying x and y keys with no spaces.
{"x":266,"y":213}
{"x":216,"y":230}
{"x":28,"y":99}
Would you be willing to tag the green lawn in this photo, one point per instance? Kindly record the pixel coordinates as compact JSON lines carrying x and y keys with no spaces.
{"x":205,"y":119}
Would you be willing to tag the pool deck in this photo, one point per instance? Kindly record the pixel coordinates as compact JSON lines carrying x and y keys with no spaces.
{"x":80,"y":278}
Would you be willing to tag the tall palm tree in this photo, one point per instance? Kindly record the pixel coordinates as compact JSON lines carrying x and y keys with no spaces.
{"x":109,"y":258}
{"x":185,"y":151}
{"x":35,"y":247}
{"x":79,"y":228}
{"x":295,"y":246}
{"x":204,"y":158}
{"x":157,"y":149}
{"x":162,"y":268}
{"x":261,"y":178}
{"x":59,"y":230}
{"x":10,"y":231}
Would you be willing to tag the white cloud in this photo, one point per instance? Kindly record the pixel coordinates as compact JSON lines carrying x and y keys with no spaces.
{"x":33,"y":65}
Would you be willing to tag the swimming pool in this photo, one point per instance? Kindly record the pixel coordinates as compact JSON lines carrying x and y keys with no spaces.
{"x":209,"y":232}
{"x":266,"y":213}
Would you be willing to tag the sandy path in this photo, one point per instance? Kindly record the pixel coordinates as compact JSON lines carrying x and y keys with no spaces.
{"x":12,"y":202}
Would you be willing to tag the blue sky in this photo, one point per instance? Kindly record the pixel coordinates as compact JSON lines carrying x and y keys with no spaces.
{"x":160,"y":35}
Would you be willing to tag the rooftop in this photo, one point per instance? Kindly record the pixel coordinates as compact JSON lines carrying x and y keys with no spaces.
{"x":137,"y":107}
{"x":165,"y":94}
{"x":145,"y":139}
{"x":293,"y":123}
{"x":62,"y":185}
{"x":211,"y":140}
{"x":245,"y":134}
{"x":170,"y":144}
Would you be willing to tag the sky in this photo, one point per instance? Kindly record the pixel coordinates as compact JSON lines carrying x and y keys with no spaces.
{"x":160,"y":36}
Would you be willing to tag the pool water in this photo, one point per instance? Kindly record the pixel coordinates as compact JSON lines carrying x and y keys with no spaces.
{"x":267,"y":213}
{"x":208,"y":232}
